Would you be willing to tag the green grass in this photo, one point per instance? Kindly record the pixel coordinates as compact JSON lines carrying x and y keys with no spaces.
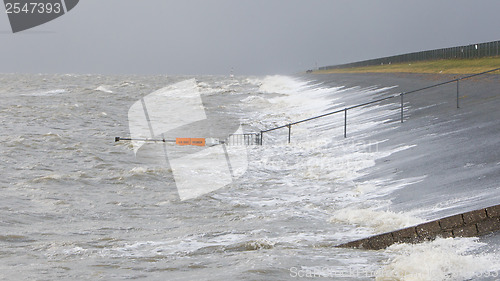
{"x":448,"y":66}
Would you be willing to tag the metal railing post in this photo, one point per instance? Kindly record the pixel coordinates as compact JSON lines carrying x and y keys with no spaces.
{"x":458,"y":97}
{"x":261,"y":137}
{"x":289,"y":132}
{"x":345,"y":123}
{"x":402,"y":107}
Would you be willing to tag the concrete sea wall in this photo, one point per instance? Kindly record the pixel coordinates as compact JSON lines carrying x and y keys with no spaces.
{"x":471,"y":224}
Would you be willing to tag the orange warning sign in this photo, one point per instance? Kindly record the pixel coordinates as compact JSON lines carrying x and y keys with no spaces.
{"x":183,"y":141}
{"x":198,"y":142}
{"x":190,"y":141}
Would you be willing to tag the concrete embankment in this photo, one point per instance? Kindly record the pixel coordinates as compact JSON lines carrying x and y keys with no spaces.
{"x":475,"y":223}
{"x":451,"y":162}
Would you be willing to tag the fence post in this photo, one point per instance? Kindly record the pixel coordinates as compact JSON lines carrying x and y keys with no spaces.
{"x":345,"y":123}
{"x":402,"y":107}
{"x":261,"y":137}
{"x":458,"y":97}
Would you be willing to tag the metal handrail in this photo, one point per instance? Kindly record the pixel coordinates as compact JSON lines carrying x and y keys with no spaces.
{"x":243,"y":139}
{"x":401,"y":95}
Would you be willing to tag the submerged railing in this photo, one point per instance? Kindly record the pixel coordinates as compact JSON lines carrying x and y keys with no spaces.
{"x":244,"y":139}
{"x":345,"y":110}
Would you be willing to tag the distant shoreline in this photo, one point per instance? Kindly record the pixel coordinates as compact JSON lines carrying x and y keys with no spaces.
{"x":442,"y":66}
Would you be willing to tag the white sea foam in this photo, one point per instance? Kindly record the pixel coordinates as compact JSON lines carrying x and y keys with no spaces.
{"x":280,"y":84}
{"x":291,"y":99}
{"x":49,"y":178}
{"x":380,"y":221}
{"x":333,"y":161}
{"x":138,"y":170}
{"x":255,"y":100}
{"x":104,"y":89}
{"x":442,"y":259}
{"x":43,"y":93}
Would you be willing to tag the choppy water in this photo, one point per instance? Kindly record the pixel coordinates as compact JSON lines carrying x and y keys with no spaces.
{"x":77,"y":206}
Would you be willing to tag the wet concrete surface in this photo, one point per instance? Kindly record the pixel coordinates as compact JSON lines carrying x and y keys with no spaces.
{"x":455,"y":153}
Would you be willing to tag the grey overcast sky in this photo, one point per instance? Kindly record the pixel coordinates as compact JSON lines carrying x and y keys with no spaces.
{"x":252,"y":36}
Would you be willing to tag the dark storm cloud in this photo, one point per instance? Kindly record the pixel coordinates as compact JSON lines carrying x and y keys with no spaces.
{"x":253,"y":37}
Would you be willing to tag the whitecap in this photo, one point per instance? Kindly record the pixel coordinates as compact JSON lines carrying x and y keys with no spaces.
{"x":45,"y":93}
{"x":380,"y":221}
{"x":103,"y":89}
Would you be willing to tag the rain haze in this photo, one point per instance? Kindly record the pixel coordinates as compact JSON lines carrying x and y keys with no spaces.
{"x":249,"y":37}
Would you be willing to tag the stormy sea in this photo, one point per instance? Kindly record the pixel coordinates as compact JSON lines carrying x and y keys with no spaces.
{"x":76,"y":205}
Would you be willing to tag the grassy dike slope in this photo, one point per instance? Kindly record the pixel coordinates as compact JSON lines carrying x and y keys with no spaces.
{"x":451,"y":66}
